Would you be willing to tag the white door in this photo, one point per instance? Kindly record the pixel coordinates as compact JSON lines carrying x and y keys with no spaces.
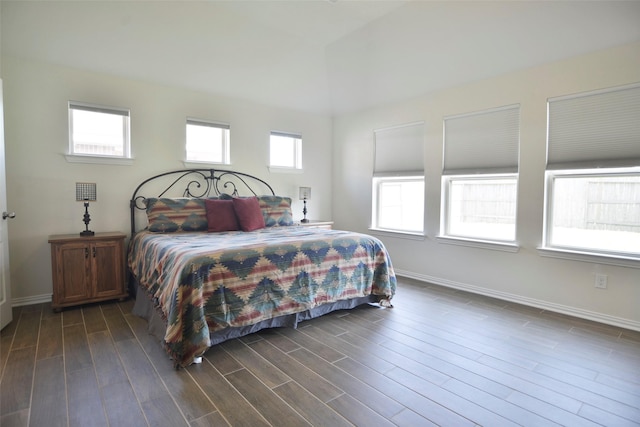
{"x":5,"y":283}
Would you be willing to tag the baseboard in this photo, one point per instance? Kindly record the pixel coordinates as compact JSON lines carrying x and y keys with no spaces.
{"x":37,"y":299}
{"x":545,"y":305}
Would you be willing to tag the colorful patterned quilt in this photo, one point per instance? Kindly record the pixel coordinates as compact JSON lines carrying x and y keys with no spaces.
{"x":205,"y":282}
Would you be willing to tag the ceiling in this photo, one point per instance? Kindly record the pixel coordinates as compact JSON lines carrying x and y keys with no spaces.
{"x":321,"y":56}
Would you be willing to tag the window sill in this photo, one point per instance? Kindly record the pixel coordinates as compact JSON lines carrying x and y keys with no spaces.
{"x":100,"y":160}
{"x":192,"y":164}
{"x":483,"y":244}
{"x":400,"y":234}
{"x":599,"y":258}
{"x":274,"y":169}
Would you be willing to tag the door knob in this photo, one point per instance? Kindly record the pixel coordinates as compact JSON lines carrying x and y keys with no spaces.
{"x":6,"y":215}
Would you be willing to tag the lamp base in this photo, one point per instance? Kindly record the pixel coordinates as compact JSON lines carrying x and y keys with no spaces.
{"x":86,"y":219}
{"x":304,"y":219}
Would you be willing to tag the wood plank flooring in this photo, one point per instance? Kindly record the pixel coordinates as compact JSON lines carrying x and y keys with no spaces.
{"x":439,"y":357}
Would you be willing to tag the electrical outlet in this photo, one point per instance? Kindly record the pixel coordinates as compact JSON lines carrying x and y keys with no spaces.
{"x":601,"y":281}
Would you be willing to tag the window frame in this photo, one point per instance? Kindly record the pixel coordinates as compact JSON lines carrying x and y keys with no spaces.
{"x":579,"y":252}
{"x":398,"y":155}
{"x":375,"y":211}
{"x":74,"y":156}
{"x":226,"y":141}
{"x":445,"y":220}
{"x":592,"y":133}
{"x":480,"y":145}
{"x":296,"y":153}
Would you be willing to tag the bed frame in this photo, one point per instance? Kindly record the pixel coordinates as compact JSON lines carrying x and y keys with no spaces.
{"x":195,"y":183}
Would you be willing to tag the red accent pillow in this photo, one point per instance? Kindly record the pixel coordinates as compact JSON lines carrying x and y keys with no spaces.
{"x":248,"y":213}
{"x":221,"y":215}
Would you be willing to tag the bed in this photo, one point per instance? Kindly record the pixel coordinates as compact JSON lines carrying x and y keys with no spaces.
{"x":216,"y":254}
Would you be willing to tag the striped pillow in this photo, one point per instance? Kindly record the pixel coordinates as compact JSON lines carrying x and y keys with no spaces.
{"x":276,"y":210}
{"x":167,"y":215}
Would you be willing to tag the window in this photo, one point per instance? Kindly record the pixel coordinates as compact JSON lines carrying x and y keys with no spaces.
{"x":399,"y":203}
{"x":593,"y":173}
{"x":207,"y":142}
{"x":285,"y":151}
{"x":595,"y":212}
{"x":98,"y":131}
{"x":398,"y":182}
{"x":480,"y":175}
{"x":481,"y":207}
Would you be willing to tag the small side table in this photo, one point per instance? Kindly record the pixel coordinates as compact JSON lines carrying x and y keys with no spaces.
{"x":87,"y":268}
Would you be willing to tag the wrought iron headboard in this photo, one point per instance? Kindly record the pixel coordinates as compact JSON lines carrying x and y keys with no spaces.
{"x":198,"y":183}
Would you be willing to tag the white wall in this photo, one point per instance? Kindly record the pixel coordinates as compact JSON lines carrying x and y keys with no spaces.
{"x":557,"y":284}
{"x":41,"y":183}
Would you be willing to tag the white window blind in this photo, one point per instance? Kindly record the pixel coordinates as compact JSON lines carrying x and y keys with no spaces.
{"x":209,"y":124}
{"x":595,"y":129}
{"x":482,"y":142}
{"x":399,"y":151}
{"x":99,"y":109}
{"x":286,"y":135}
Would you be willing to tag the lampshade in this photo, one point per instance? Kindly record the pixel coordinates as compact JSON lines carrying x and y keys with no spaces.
{"x":86,"y":191}
{"x":305,"y":193}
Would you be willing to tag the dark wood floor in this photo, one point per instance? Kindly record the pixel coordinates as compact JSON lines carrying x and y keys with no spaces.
{"x":440,"y":357}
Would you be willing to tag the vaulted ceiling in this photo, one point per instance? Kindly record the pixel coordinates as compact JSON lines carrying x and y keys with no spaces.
{"x":314,"y":55}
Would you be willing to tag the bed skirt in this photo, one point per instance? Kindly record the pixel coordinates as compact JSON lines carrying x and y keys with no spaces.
{"x":144,"y":308}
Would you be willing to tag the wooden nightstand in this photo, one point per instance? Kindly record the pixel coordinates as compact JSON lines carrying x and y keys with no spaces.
{"x":87,"y":269}
{"x":318,"y":224}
